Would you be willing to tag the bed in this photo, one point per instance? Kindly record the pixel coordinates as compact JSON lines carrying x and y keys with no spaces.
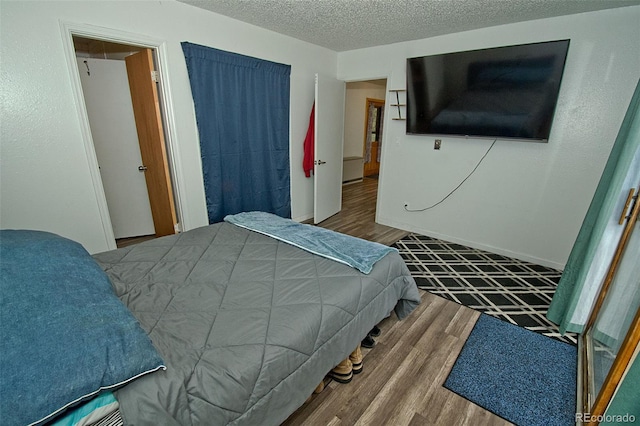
{"x":240,"y":326}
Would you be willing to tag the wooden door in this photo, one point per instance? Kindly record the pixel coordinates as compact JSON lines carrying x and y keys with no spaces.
{"x":146,"y":109}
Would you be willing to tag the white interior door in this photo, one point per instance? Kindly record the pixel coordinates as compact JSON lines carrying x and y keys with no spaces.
{"x":328,"y":147}
{"x":108,"y":100}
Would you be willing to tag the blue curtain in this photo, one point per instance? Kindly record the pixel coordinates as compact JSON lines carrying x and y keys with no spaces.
{"x":242,"y":113}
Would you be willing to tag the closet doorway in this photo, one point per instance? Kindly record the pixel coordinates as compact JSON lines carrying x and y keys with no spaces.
{"x":123,"y":109}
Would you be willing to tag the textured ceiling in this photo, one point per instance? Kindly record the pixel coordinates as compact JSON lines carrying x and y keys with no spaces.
{"x":342,"y":25}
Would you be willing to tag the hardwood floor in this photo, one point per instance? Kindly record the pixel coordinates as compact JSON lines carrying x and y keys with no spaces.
{"x":401,"y":383}
{"x":357,"y":216}
{"x":124,"y":242}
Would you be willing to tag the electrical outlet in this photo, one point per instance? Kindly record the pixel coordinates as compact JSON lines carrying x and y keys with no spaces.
{"x":437,"y":143}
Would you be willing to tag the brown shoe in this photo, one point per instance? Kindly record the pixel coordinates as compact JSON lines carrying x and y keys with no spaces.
{"x":356,"y":360}
{"x":323,"y":384}
{"x":343,"y":372}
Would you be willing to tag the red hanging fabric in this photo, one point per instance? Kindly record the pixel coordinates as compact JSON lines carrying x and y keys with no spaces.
{"x":307,"y":161}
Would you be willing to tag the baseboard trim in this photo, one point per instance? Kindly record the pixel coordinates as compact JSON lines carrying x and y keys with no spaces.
{"x":348,"y":182}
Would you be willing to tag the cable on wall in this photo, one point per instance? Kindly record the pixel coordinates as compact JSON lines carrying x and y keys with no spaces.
{"x":406,"y":206}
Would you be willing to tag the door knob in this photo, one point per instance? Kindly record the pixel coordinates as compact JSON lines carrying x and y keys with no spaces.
{"x":142,"y":168}
{"x":318,"y":162}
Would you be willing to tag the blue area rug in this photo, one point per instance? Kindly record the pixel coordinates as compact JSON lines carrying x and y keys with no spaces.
{"x":522,"y":376}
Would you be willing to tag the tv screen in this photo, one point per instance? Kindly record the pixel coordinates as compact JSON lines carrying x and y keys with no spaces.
{"x":503,"y":92}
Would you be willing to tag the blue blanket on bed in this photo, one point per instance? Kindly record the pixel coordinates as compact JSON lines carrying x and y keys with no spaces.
{"x":352,"y":251}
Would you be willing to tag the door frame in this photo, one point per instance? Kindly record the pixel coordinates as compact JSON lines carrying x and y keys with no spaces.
{"x":71,"y":29}
{"x":590,"y":401}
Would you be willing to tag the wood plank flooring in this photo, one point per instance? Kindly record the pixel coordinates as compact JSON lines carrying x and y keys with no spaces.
{"x":357,"y":217}
{"x":401,"y":383}
{"x":124,"y":242}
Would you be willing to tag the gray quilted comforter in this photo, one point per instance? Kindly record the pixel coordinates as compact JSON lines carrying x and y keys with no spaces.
{"x":247,"y":325}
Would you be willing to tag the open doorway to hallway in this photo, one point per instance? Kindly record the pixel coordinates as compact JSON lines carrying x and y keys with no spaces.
{"x":363,"y":136}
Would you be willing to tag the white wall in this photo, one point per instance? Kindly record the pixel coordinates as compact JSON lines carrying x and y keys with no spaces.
{"x":355,"y":110}
{"x":526,"y":200}
{"x":45,"y":174}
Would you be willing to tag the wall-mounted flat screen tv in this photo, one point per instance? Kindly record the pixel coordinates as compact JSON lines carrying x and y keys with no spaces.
{"x":503,"y":92}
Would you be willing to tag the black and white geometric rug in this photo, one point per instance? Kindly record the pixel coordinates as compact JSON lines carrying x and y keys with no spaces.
{"x":510,"y":289}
